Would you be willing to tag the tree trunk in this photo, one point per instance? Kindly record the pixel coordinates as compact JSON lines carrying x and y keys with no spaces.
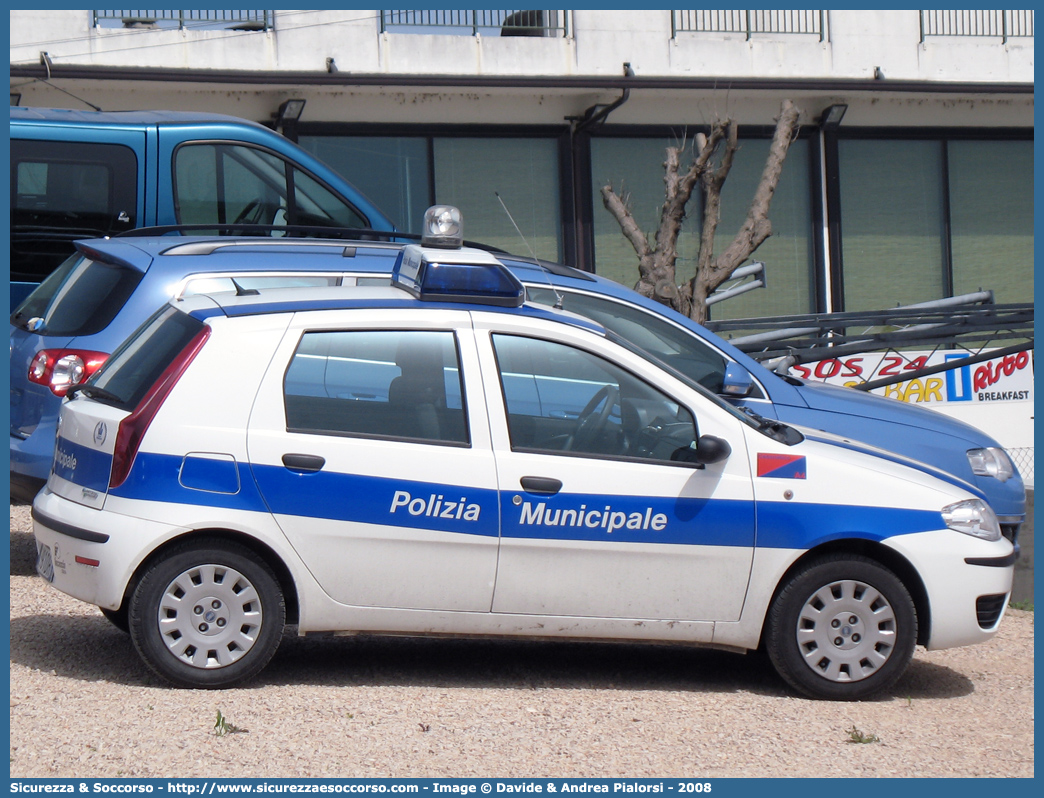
{"x":657,"y":274}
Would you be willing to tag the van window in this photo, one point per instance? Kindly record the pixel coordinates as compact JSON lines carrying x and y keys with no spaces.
{"x":222,"y":183}
{"x":62,"y":191}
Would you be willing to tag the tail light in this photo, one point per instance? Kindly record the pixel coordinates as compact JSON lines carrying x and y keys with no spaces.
{"x":61,"y":369}
{"x":133,"y":427}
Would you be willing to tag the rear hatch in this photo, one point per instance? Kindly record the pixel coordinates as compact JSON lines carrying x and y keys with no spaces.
{"x":104,"y":421}
{"x":84,"y":450}
{"x":78,"y":300}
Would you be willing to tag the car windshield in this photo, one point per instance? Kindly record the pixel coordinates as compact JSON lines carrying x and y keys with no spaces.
{"x":679,"y":348}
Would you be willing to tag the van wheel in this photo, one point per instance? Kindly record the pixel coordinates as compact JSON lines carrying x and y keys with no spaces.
{"x":210,"y":614}
{"x":843,"y":628}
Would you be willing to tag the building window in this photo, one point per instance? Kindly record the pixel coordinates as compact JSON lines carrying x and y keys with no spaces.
{"x":926,"y":219}
{"x":991,"y":217}
{"x":635,"y":166}
{"x":403,"y":175}
{"x":891,"y":222}
{"x":470,"y":173}
{"x":392,"y":171}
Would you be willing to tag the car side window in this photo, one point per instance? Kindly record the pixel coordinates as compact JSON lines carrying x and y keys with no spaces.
{"x":560,"y":399}
{"x":211,"y":284}
{"x":222,"y":183}
{"x":403,"y":384}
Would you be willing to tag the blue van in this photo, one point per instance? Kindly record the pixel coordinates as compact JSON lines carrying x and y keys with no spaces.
{"x":89,"y":174}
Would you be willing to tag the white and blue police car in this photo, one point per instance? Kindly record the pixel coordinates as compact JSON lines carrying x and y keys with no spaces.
{"x":439,"y":457}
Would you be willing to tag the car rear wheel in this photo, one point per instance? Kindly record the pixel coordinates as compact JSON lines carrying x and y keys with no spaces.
{"x":843,"y":628}
{"x":210,"y":614}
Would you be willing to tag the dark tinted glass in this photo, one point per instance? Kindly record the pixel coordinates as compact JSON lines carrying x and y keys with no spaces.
{"x":81,"y":297}
{"x":377,"y":383}
{"x":62,"y":191}
{"x":140,"y":360}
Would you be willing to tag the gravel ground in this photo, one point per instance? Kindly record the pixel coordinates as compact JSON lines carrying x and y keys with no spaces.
{"x":83,"y":705}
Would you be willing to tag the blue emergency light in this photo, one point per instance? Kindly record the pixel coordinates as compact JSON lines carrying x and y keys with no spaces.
{"x":470,"y":276}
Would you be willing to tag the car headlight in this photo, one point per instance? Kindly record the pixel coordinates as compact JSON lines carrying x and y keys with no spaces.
{"x":992,"y":462}
{"x":973,"y":517}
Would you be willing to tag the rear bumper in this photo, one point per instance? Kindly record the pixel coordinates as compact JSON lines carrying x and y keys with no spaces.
{"x":92,"y":555}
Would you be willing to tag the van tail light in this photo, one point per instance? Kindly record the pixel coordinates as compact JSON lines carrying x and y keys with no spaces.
{"x":133,"y":427}
{"x":61,"y":369}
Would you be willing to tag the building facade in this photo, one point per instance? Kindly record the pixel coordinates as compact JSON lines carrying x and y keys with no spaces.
{"x":910,"y":179}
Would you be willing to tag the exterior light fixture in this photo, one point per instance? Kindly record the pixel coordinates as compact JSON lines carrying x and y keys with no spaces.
{"x":289,"y":112}
{"x":833,"y":115}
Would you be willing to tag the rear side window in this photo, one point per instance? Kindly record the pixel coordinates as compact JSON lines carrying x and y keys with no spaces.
{"x":221,"y":183}
{"x":377,"y":383}
{"x":81,"y":297}
{"x":62,"y":191}
{"x":140,"y":360}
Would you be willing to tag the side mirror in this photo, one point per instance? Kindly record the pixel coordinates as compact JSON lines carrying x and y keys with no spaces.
{"x":706,"y":451}
{"x":738,"y":381}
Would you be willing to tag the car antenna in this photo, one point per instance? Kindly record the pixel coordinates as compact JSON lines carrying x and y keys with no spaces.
{"x":536,"y":260}
{"x":241,"y":291}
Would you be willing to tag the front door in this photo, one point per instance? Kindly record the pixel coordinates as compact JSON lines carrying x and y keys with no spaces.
{"x":598,"y":517}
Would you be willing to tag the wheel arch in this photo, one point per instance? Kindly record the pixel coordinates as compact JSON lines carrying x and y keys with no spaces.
{"x":883,"y":555}
{"x":267,"y":554}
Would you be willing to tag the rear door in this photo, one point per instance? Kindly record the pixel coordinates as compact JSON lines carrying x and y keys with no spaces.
{"x":370,"y":443}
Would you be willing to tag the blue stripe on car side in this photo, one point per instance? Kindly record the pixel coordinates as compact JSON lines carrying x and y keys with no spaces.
{"x":82,"y":465}
{"x":567,"y":517}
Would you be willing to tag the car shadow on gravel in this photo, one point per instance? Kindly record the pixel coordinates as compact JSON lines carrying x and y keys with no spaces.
{"x":44,"y":642}
{"x":23,"y":554}
{"x":104,"y":653}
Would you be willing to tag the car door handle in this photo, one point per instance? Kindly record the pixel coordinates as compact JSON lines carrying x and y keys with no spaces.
{"x":306,"y":463}
{"x":544,"y":485}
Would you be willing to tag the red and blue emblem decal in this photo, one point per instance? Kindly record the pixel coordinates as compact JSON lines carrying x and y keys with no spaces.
{"x":781,"y":466}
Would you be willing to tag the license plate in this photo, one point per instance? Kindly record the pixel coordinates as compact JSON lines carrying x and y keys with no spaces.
{"x":44,"y":562}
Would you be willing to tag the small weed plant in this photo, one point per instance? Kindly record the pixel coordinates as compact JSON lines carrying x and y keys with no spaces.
{"x":856,"y":736}
{"x":223,"y":726}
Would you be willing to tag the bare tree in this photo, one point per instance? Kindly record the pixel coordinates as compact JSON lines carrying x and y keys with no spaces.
{"x":656,"y":263}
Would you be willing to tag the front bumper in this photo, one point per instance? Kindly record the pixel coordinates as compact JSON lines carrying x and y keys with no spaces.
{"x":967,"y":582}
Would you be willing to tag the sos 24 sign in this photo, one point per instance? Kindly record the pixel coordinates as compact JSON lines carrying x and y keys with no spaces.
{"x":1003,"y":379}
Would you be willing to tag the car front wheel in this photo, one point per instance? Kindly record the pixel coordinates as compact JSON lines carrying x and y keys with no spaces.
{"x":842,"y":628}
{"x":209,"y":614}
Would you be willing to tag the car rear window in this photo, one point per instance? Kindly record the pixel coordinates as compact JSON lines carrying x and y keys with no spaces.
{"x":140,"y":360}
{"x":81,"y":297}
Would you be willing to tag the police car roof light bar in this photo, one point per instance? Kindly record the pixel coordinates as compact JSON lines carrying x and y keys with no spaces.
{"x":468,"y":276}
